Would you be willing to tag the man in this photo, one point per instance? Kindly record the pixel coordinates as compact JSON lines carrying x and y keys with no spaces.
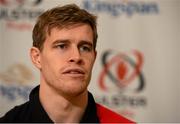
{"x":64,"y":42}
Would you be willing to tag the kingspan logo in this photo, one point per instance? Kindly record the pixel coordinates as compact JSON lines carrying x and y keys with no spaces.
{"x":121,"y":7}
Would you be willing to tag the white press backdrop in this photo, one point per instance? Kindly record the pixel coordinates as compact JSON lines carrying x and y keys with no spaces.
{"x":137,"y":71}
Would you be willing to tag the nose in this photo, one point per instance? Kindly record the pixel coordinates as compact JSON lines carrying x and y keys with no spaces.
{"x":75,"y":56}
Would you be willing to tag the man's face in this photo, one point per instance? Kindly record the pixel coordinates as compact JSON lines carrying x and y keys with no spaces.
{"x":67,"y":59}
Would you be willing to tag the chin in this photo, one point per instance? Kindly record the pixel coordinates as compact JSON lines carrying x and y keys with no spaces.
{"x":72,"y":87}
{"x":75,"y":90}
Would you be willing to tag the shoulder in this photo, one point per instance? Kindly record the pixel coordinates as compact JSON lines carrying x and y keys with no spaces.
{"x":108,"y":116}
{"x":16,"y":113}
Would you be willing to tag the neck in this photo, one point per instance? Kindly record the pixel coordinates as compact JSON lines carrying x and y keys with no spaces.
{"x":61,"y":108}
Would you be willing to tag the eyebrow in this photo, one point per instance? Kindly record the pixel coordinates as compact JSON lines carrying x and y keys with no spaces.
{"x":68,"y":41}
{"x":60,"y":41}
{"x":86,"y":42}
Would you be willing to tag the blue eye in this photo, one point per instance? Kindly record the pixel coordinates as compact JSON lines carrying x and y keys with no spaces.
{"x":62,"y":46}
{"x":85,"y":48}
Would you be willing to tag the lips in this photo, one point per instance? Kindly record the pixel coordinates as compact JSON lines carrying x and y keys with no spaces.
{"x":74,"y":71}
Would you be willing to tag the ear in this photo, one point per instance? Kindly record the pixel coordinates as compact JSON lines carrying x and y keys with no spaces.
{"x":35,"y":57}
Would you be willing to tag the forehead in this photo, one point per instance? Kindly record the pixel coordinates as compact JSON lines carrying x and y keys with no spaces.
{"x":73,"y":32}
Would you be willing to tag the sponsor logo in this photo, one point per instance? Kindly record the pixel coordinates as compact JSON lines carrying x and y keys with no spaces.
{"x":122,"y":81}
{"x":126,"y":70}
{"x":17,"y":73}
{"x":19,"y":14}
{"x":19,"y":2}
{"x":14,"y":82}
{"x":117,"y":8}
{"x":14,"y":92}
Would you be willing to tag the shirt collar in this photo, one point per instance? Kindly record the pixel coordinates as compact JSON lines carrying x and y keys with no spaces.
{"x":90,"y":115}
{"x":39,"y":114}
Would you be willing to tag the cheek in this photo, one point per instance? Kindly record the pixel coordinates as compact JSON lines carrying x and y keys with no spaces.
{"x":47,"y":64}
{"x":90,"y":63}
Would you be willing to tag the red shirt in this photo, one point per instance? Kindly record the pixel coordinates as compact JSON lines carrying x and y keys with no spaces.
{"x":107,"y":116}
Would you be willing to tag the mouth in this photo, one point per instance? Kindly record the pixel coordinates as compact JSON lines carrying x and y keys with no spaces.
{"x":74,"y":72}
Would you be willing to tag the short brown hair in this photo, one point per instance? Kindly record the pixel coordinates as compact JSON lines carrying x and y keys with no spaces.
{"x":61,"y":17}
